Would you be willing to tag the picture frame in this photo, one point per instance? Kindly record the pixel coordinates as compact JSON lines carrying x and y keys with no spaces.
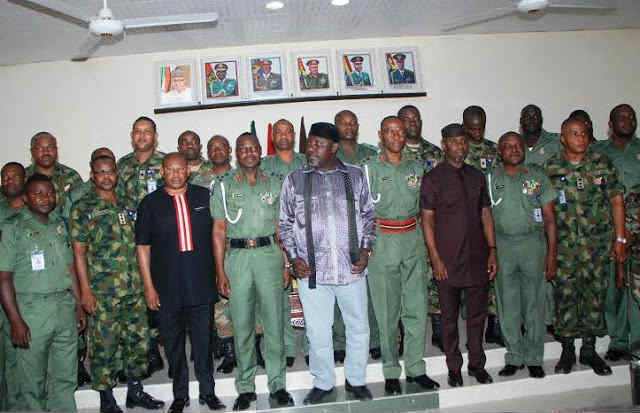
{"x":222,"y":79}
{"x":401,"y":69}
{"x":176,"y":83}
{"x":357,"y":72}
{"x":267,"y":76}
{"x":314,"y":73}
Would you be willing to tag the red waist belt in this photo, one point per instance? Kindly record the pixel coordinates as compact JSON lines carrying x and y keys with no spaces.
{"x":391,"y":226}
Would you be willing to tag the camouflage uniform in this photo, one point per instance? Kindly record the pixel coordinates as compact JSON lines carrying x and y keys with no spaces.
{"x":203,"y":176}
{"x":63,"y":180}
{"x":583,"y":214}
{"x":632,"y":205}
{"x":118,"y":331}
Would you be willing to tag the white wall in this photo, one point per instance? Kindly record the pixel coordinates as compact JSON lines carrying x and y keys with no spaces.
{"x":92,"y":104}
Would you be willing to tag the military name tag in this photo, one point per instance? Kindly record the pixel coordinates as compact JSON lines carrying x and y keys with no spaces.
{"x":483,"y":163}
{"x":122,"y":218}
{"x":236,"y":195}
{"x":141,"y":174}
{"x":537,"y":214}
{"x":580,"y":183}
{"x":562,"y":198}
{"x":37,"y":260}
{"x":152,"y":185}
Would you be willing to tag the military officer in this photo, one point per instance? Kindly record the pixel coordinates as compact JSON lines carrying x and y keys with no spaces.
{"x":590,"y":214}
{"x":358,"y":77}
{"x":397,"y":265}
{"x":44,"y":151}
{"x":281,"y":164}
{"x":39,"y":293}
{"x":541,"y":145}
{"x":431,"y":155}
{"x":522,"y":201}
{"x":350,"y":151}
{"x":401,"y":75}
{"x":139,"y":172}
{"x":219,"y":84}
{"x":189,"y":145}
{"x":314,"y":79}
{"x":623,"y":148}
{"x":218,"y":162}
{"x":632,"y":205}
{"x":250,"y":267}
{"x":111,"y":289}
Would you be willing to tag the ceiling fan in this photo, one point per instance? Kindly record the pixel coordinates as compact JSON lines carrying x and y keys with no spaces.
{"x":523,"y":7}
{"x":105,"y":27}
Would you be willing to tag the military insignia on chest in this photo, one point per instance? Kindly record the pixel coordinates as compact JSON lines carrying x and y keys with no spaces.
{"x":237,"y":195}
{"x":386,"y":179}
{"x":530,"y":187}
{"x":132,"y":214}
{"x":267,"y":198}
{"x":122,"y":218}
{"x":412,"y":181}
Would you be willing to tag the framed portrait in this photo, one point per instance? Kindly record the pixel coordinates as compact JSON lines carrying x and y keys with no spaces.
{"x":176,"y":83}
{"x":314,"y":74}
{"x":357,"y":72}
{"x":402,"y":70}
{"x":267,"y":77}
{"x":221,"y":79}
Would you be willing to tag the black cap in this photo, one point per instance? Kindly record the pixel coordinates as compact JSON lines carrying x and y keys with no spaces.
{"x":324,"y":130}
{"x":452,"y":130}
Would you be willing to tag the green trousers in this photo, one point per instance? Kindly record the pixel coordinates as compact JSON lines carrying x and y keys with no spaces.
{"x":520,"y":292}
{"x":255,"y":276}
{"x":293,"y":336}
{"x":45,"y":374}
{"x":339,"y":331}
{"x":397,"y":282}
{"x":3,"y":358}
{"x":623,"y":318}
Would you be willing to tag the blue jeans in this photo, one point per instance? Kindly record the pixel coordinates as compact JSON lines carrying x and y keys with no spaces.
{"x":318,"y":313}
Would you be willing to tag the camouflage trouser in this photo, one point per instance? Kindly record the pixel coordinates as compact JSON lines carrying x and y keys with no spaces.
{"x":118,"y":339}
{"x":634,"y":272}
{"x":433,"y":296}
{"x":82,"y":346}
{"x":222,"y":318}
{"x":579,"y":291}
{"x":492,"y":308}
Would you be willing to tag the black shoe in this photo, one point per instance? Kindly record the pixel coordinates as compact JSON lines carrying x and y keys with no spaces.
{"x":155,"y":359}
{"x":306,"y":360}
{"x":122,"y":377}
{"x":537,"y":372}
{"x":110,"y":408}
{"x":424,"y":381}
{"x":317,"y":396}
{"x":83,"y":375}
{"x":144,"y":400}
{"x":436,"y":331}
{"x":212,"y":401}
{"x":281,"y":397}
{"x":243,"y":402}
{"x":567,"y":358}
{"x":178,"y":405}
{"x":592,"y":359}
{"x":455,"y":379}
{"x":259,"y":358}
{"x":481,"y":376}
{"x":229,"y":360}
{"x":617,"y":355}
{"x":392,"y":386}
{"x":510,"y":370}
{"x":375,"y":353}
{"x":493,"y":333}
{"x":218,"y":348}
{"x":108,"y":402}
{"x":361,"y":393}
{"x":290,"y":361}
{"x":339,"y":355}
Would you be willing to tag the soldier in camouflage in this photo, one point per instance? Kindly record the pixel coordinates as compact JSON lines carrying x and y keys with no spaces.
{"x":111,"y":289}
{"x":139,"y":172}
{"x":431,"y":155}
{"x":218,"y":162}
{"x":632,"y":205}
{"x":352,"y":152}
{"x":483,"y":155}
{"x":590,"y":219}
{"x":189,"y":145}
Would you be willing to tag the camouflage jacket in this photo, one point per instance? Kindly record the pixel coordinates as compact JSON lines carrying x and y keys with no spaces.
{"x":483,"y":156}
{"x":632,"y":223}
{"x":428,"y":152}
{"x":138,"y":180}
{"x":63,"y":179}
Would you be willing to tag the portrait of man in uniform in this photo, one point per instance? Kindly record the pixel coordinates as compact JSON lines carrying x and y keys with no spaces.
{"x":221,"y":79}
{"x":175,"y":84}
{"x":401,"y":67}
{"x":357,"y":70}
{"x":313,"y":72}
{"x":266,"y":73}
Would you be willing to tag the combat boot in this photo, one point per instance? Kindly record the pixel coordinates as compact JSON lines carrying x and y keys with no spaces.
{"x":83,"y":375}
{"x":218,"y":347}
{"x":493,"y":333}
{"x":568,"y":356}
{"x":108,"y":402}
{"x":589,"y":357}
{"x":436,"y":331}
{"x":154,"y":357}
{"x":259,"y":358}
{"x":229,"y":360}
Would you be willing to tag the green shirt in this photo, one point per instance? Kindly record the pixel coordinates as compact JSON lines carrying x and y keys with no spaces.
{"x":279,"y":167}
{"x":583,"y":208}
{"x":362,"y":152}
{"x":109,"y":235}
{"x":626,"y":161}
{"x":425,"y":150}
{"x":260,"y":204}
{"x":63,"y":180}
{"x":5,"y":209}
{"x":547,"y":145}
{"x":483,"y":156}
{"x":139,"y":179}
{"x":38,"y":255}
{"x":517,"y":201}
{"x":396,"y":188}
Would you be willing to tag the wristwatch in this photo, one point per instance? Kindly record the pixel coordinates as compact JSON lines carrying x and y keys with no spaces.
{"x":621,"y":240}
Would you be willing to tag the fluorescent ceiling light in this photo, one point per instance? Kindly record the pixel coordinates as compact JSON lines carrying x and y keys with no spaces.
{"x":339,"y":2}
{"x":274,"y":5}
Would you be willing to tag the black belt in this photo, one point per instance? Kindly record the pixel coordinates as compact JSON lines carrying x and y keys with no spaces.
{"x":251,"y":242}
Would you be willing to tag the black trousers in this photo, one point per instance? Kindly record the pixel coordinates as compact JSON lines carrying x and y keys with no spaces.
{"x":173,"y":324}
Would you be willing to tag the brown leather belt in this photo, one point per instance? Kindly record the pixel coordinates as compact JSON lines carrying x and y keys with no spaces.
{"x":392,"y":226}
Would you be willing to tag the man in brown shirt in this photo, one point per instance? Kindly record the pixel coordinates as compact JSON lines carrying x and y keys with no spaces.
{"x":460,"y":236}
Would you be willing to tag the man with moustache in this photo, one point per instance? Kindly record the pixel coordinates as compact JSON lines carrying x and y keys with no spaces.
{"x":623,"y":149}
{"x":522,"y":203}
{"x":250,"y":268}
{"x":174,"y":251}
{"x":37,"y":280}
{"x":459,"y":233}
{"x":397,"y":265}
{"x":139,"y":172}
{"x":590,"y":218}
{"x":218,"y":162}
{"x":327,"y":231}
{"x":189,"y":145}
{"x":111,"y":288}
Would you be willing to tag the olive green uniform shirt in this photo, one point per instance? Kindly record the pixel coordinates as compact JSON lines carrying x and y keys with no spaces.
{"x":363,"y":151}
{"x":547,"y":145}
{"x":627,"y":161}
{"x":63,"y":179}
{"x":279,"y":167}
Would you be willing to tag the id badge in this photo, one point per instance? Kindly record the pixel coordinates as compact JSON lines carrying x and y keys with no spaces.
{"x":37,"y":260}
{"x":562,"y":198}
{"x":537,"y":214}
{"x":580,"y":183}
{"x":152,"y":185}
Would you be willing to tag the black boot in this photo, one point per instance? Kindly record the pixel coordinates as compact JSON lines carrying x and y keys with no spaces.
{"x":155,"y":358}
{"x":493,"y":333}
{"x":589,"y":357}
{"x":218,"y":347}
{"x":259,"y":359}
{"x":137,"y":397}
{"x":229,"y":360}
{"x":108,"y":402}
{"x":568,"y":356}
{"x":436,"y":331}
{"x":83,"y":374}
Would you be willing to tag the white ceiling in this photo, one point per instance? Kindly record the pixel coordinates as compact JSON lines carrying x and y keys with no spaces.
{"x":28,"y":34}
